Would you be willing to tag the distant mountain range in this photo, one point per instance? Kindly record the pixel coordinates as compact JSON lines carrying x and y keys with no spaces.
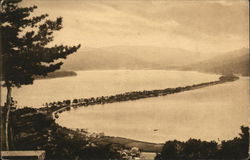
{"x":236,"y":62}
{"x":130,"y":57}
{"x":149,"y":57}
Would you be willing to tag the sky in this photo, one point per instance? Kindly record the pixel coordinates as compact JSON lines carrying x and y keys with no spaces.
{"x":205,"y":26}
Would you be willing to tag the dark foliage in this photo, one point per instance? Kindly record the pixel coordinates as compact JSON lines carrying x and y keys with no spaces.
{"x":38,"y":131}
{"x":197,"y":149}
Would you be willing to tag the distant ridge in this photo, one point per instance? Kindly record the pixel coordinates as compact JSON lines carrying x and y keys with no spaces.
{"x":236,"y":62}
{"x":150,"y":57}
{"x":129,"y":57}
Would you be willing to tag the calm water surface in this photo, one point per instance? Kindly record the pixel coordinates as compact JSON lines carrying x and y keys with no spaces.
{"x":210,"y":113}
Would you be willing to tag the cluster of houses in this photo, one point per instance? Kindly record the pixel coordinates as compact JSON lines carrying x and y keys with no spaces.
{"x":59,"y":107}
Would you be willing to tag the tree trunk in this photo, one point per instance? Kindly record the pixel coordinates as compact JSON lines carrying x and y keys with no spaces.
{"x":8,"y":105}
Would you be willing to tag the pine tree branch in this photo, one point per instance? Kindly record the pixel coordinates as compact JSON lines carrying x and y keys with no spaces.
{"x":26,"y":54}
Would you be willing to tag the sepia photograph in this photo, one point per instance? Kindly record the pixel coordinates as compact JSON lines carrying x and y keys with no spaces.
{"x":124,"y":80}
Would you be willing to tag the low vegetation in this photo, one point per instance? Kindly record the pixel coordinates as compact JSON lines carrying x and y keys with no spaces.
{"x":236,"y":148}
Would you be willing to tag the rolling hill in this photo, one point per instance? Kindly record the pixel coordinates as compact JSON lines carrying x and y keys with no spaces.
{"x":236,"y":62}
